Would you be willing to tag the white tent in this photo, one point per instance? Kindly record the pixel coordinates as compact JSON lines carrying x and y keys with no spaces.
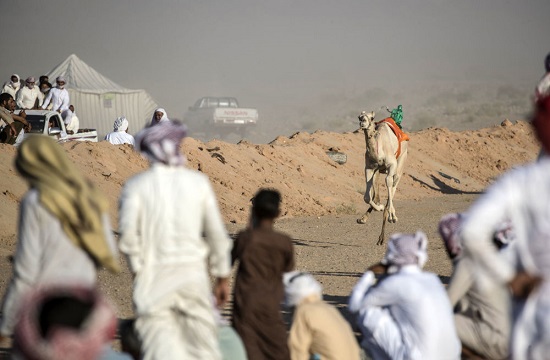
{"x":98,"y":101}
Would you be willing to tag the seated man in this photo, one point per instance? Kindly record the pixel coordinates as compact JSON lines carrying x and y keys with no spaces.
{"x":407,"y":314}
{"x":482,"y":306}
{"x":72,"y":124}
{"x":318,"y":329}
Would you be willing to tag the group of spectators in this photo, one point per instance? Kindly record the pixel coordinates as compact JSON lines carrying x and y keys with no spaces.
{"x":171,"y":231}
{"x":29,"y":96}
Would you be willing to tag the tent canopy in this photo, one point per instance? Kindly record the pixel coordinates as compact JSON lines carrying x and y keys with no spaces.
{"x":98,"y":101}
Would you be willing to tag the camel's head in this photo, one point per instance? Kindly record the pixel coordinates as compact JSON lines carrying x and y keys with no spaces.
{"x":365,"y":119}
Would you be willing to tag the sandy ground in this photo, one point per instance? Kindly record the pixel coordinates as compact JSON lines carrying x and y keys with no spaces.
{"x":322,"y":199}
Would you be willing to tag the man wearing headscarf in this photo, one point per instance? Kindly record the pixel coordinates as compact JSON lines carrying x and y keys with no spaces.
{"x":64,"y":233}
{"x":159,"y":115}
{"x":482,"y":306}
{"x":173,"y":235}
{"x":407,"y":314}
{"x":522,"y":196}
{"x":65,"y":322}
{"x":397,"y":115}
{"x":71,"y":121}
{"x":11,"y":87}
{"x":317,"y":327}
{"x":29,"y":96}
{"x":58,"y":96}
{"x":120,"y":133}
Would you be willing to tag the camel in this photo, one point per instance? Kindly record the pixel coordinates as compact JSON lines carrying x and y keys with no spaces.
{"x":384,"y":155}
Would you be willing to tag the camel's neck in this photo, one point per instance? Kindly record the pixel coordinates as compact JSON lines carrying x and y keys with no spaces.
{"x":370,"y":139}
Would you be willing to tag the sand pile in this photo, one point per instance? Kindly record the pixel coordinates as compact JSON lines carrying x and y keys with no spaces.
{"x":440,"y":162}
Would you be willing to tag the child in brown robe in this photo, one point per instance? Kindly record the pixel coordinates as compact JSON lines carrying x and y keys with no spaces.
{"x":264,"y":256}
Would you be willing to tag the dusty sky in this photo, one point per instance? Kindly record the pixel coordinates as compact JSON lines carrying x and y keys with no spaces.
{"x":277,"y":53}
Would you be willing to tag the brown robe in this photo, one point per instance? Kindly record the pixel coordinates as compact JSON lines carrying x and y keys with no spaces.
{"x":264,"y":256}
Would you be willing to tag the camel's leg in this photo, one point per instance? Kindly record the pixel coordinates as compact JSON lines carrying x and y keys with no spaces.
{"x":390,"y":179}
{"x":384,"y":219}
{"x":372,"y":197}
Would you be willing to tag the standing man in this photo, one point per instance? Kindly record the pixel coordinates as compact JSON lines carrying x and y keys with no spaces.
{"x":64,"y":234}
{"x":12,"y":86}
{"x":58,"y":96}
{"x":28,"y":95}
{"x":521,"y":195}
{"x":173,"y":234}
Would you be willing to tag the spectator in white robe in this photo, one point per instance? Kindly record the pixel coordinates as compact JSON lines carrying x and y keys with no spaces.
{"x":120,"y":133}
{"x":72,"y":123}
{"x":173,"y":235}
{"x":11,"y":87}
{"x":482,"y":307}
{"x":159,"y":115}
{"x":58,"y":96}
{"x":521,"y":195}
{"x":64,"y":233}
{"x":29,"y":96}
{"x":407,"y":314}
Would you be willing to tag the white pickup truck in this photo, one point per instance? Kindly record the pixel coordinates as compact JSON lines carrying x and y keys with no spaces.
{"x":219,"y":116}
{"x":50,"y":123}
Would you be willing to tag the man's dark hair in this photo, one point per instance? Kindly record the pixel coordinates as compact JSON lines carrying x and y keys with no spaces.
{"x":44,"y":78}
{"x":5,"y":97}
{"x":63,"y":311}
{"x":129,"y":338}
{"x":265,"y":204}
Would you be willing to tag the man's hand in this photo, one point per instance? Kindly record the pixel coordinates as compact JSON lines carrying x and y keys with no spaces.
{"x":221,"y":291}
{"x":13,"y":130}
{"x":523,"y":284}
{"x":23,"y":114}
{"x":378,"y":269}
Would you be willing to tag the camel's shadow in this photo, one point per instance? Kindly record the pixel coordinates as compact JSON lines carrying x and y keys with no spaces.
{"x":441,"y":186}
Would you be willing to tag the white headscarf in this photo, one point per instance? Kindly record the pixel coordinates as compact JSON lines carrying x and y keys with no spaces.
{"x":161,"y":143}
{"x":164,"y":116}
{"x":121,"y":124}
{"x":17,"y":84}
{"x":299,"y":285}
{"x":407,"y":249}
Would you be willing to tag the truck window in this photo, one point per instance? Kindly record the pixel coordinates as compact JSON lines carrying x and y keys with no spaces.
{"x":56,"y":121}
{"x":212,"y":102}
{"x":37,"y":122}
{"x":224,"y":102}
{"x":233,"y":103}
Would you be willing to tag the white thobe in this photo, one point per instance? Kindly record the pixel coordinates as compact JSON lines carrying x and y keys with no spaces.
{"x":522,"y":195}
{"x":59,"y":98}
{"x":119,"y":138}
{"x":407,"y":315}
{"x":45,"y":256}
{"x":26,"y":98}
{"x":8,"y":88}
{"x":72,"y":123}
{"x":164,"y":213}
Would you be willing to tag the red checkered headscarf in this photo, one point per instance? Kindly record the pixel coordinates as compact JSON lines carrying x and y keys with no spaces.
{"x":161,"y":143}
{"x":407,"y":249}
{"x":448,"y":229}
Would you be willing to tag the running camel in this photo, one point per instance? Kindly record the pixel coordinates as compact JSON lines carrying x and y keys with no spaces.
{"x":386,"y":154}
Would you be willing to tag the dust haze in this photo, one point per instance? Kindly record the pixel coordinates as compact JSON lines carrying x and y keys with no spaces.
{"x":305,"y":65}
